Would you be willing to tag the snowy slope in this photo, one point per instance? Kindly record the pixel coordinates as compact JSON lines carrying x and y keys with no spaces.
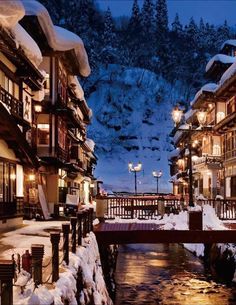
{"x":131,"y":122}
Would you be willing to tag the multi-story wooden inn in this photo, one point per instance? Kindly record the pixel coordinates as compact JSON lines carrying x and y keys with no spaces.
{"x":44,"y":152}
{"x":214,"y":164}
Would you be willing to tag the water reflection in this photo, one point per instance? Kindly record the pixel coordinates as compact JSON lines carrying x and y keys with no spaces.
{"x":166,"y":274}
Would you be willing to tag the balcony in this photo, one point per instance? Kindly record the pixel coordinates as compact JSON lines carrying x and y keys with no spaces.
{"x":14,"y":105}
{"x":212,"y":162}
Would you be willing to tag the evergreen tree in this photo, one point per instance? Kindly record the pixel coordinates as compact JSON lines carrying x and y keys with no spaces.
{"x":147,"y":19}
{"x":109,"y":39}
{"x":161,"y":18}
{"x":223,"y":33}
{"x":176,"y":25}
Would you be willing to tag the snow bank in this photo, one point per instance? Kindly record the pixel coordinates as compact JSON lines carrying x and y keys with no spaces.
{"x":10,"y":13}
{"x":28,"y":45}
{"x":58,"y":38}
{"x":224,"y":59}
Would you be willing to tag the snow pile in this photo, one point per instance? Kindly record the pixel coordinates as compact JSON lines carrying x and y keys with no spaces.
{"x":87,"y":259}
{"x":28,"y":45}
{"x":10,"y":13}
{"x":58,"y":38}
{"x":209,"y":87}
{"x":224,"y":59}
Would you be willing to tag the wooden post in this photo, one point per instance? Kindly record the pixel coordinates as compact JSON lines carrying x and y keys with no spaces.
{"x":55,"y":239}
{"x":66,"y":231}
{"x":79,"y":221}
{"x":132,"y":208}
{"x":79,"y":282}
{"x":195,"y":220}
{"x":73,"y":221}
{"x":37,"y":252}
{"x":91,"y":219}
{"x":88,"y":221}
{"x":6,"y":279}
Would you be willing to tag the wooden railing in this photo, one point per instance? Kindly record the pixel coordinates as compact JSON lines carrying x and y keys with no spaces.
{"x":14,"y":105}
{"x":150,"y":207}
{"x":140,"y":207}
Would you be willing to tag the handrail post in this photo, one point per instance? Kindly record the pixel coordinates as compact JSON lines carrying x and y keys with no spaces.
{"x":37,"y":262}
{"x":73,"y":222}
{"x":6,"y":280}
{"x":132,"y":208}
{"x":55,"y":239}
{"x":79,"y":221}
{"x":66,"y":232}
{"x":84,"y":223}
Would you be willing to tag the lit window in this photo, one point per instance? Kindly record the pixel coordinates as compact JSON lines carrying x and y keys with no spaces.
{"x":220,"y":116}
{"x":43,"y":134}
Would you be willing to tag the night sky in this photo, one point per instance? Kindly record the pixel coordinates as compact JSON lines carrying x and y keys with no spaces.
{"x":213,"y":11}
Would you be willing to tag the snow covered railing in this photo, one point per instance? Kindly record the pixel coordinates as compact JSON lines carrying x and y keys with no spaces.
{"x":31,"y":269}
{"x":225,"y":208}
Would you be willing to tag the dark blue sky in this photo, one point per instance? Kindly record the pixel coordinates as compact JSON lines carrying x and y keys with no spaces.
{"x":213,"y":11}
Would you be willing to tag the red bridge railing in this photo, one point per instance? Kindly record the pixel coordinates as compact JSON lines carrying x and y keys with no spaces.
{"x":150,"y":207}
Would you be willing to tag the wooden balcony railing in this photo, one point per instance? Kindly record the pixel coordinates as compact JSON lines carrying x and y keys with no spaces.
{"x":148,"y":207}
{"x":14,"y":105}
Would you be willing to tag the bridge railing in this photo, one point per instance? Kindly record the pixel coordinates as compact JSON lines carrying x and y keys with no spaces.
{"x":149,"y":207}
{"x":140,"y":207}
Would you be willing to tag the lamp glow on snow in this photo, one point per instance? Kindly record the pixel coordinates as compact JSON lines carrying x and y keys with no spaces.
{"x":157,"y":175}
{"x":135,"y":169}
{"x":177,"y":115}
{"x":201,"y":116}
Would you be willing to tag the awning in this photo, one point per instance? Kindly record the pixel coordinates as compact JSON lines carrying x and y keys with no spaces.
{"x":10,"y":132}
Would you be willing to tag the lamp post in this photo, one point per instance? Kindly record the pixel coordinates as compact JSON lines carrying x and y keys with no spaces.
{"x":157,"y":175}
{"x":201,"y":116}
{"x":135,"y":169}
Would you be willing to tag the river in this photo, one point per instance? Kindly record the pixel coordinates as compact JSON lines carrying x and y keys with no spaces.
{"x":166,"y":274}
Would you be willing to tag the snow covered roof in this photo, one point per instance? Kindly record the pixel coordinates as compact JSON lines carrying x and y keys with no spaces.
{"x":230,"y":42}
{"x":228,"y":73}
{"x":210,"y":87}
{"x":10,"y":13}
{"x":76,"y":87}
{"x":174,"y":153}
{"x":28,"y":45}
{"x":59,"y":39}
{"x":224,"y":59}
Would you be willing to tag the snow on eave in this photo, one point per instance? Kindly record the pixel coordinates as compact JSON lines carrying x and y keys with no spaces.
{"x":189,"y":114}
{"x":174,"y":153}
{"x":59,"y":39}
{"x":76,"y":87}
{"x":231,"y":71}
{"x":10,"y":13}
{"x":90,"y":144}
{"x":28,"y":45}
{"x":207,"y":88}
{"x":230,"y":42}
{"x":222,"y":58}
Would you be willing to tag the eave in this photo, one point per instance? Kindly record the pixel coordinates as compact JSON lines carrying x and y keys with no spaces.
{"x":216,"y":70}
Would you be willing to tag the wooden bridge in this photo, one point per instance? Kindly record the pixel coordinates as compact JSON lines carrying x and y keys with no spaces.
{"x":149,"y":208}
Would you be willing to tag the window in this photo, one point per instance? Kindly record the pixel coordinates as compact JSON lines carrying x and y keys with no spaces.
{"x":230,"y":145}
{"x":61,"y":133}
{"x":7,"y":181}
{"x":43,"y":134}
{"x":233,"y":186}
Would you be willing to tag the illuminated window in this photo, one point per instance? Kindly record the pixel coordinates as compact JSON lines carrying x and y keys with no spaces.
{"x":220,"y":116}
{"x":43,"y":134}
{"x":216,"y":150}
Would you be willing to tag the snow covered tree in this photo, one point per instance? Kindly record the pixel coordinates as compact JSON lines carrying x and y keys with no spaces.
{"x":177,"y":27}
{"x":223,"y":33}
{"x":147,"y":19}
{"x":161,"y":18}
{"x":109,"y":39}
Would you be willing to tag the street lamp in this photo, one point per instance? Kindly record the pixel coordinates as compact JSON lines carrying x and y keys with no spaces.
{"x":201,"y":116}
{"x":157,"y":175}
{"x":135,"y":169}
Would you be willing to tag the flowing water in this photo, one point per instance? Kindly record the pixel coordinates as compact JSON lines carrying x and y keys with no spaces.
{"x":166,"y":274}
